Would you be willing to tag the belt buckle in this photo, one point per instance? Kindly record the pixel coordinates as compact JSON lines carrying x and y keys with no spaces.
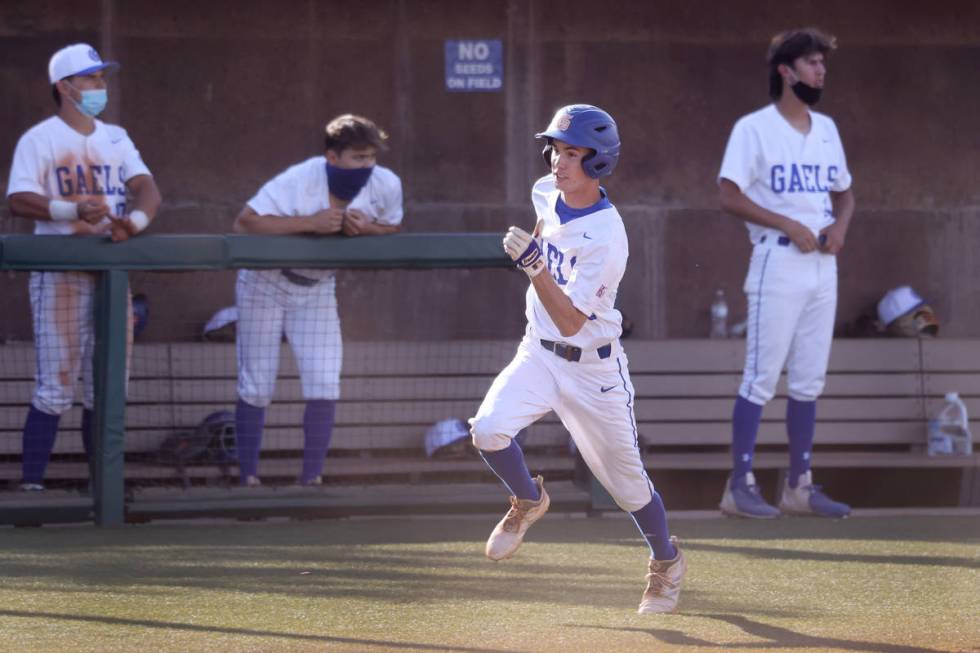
{"x":568,"y":352}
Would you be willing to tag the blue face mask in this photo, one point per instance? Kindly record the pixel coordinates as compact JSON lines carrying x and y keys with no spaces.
{"x":346,"y":183}
{"x":93,"y":101}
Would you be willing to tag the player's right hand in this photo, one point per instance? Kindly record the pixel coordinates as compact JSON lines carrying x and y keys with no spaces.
{"x":801,"y":236}
{"x":92,"y":212}
{"x":328,"y":221}
{"x":524,"y":250}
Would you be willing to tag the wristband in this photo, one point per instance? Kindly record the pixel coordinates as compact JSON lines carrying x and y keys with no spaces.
{"x":61,"y":210}
{"x":534,"y":269}
{"x":139,"y":219}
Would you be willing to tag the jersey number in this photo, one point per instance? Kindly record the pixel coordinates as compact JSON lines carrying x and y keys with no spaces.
{"x":555,"y":260}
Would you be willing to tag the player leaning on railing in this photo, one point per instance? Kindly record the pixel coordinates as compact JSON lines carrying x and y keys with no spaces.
{"x":340,"y":191}
{"x":570,"y":360}
{"x":71,"y":174}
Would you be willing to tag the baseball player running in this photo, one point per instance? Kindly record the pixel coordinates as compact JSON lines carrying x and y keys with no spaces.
{"x":570,"y":360}
{"x":71,"y":174}
{"x":340,"y":192}
{"x":785,"y":174}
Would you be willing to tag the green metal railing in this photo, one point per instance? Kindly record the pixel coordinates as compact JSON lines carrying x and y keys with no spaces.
{"x":175,"y":253}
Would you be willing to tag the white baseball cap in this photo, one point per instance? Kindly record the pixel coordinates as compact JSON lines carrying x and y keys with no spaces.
{"x":444,"y":433}
{"x":221,"y":319}
{"x":896,"y":303}
{"x":77,"y":59}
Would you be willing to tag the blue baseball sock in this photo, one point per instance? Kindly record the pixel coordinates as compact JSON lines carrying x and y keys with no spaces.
{"x":745,"y":425}
{"x":249,"y":421}
{"x":801,"y":423}
{"x":509,"y":466}
{"x":651,"y":519}
{"x":317,"y":428}
{"x":40,"y":431}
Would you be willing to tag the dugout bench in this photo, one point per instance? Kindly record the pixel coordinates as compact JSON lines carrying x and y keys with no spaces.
{"x":872,"y":415}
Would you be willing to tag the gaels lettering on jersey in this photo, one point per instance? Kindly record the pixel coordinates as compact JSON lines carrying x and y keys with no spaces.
{"x":89,"y":180}
{"x":804,"y":178}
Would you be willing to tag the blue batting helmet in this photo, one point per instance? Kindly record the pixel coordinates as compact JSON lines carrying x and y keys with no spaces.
{"x":584,"y":125}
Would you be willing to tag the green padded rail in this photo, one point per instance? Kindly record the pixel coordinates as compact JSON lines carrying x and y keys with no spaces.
{"x":202,"y":252}
{"x":213,"y":252}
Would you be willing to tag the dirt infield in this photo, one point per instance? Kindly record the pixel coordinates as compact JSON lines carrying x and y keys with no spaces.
{"x":877,"y":584}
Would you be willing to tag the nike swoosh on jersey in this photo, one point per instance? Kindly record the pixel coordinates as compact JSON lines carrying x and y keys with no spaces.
{"x":586,"y":236}
{"x":118,"y":140}
{"x":601,"y":389}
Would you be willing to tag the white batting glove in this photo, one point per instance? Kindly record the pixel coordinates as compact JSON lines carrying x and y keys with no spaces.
{"x":524,"y":250}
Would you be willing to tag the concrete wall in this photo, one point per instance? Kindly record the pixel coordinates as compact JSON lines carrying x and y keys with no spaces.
{"x":221,"y":95}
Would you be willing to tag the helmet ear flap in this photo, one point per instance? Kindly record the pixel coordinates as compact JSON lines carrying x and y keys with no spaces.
{"x":546,"y":152}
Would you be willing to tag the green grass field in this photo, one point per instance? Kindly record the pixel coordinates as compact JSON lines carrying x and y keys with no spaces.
{"x":876,"y":584}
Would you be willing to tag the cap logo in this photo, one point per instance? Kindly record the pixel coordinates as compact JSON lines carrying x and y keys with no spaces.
{"x":564,"y":122}
{"x":93,"y":55}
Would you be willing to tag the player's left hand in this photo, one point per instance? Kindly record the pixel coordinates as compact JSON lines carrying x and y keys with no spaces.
{"x":355,"y":222}
{"x":82,"y":228}
{"x":121,"y":229}
{"x":832,"y":239}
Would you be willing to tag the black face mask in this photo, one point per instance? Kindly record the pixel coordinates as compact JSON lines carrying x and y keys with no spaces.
{"x":807,"y":94}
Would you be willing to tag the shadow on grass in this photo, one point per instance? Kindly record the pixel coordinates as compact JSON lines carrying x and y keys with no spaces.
{"x":246,"y":632}
{"x":407,"y":578}
{"x":777,"y":638}
{"x":822,"y":556}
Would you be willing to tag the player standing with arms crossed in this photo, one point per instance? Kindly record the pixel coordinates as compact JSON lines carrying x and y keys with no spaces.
{"x":340,"y":192}
{"x":785,"y":174}
{"x":70,"y":174}
{"x":570,"y":360}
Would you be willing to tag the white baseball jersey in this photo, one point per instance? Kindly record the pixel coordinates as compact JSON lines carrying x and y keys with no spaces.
{"x":587,"y":258}
{"x":270,"y":304}
{"x":55,"y":161}
{"x":785,"y":171}
{"x":593,"y":396}
{"x":792,"y":296}
{"x":303,"y":189}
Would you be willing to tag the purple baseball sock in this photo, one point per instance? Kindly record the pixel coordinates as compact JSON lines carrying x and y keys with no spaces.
{"x":801,"y":423}
{"x":87,"y":443}
{"x":40,"y":431}
{"x":509,"y":466}
{"x":745,"y":425}
{"x":249,"y":421}
{"x":651,"y":519}
{"x":317,"y":428}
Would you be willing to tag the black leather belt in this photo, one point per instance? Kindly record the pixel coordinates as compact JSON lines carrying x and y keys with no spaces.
{"x":573,"y":354}
{"x":784,"y":241}
{"x":299,"y":279}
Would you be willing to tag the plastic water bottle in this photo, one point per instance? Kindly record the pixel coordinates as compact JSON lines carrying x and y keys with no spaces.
{"x":949,"y":431}
{"x":719,"y":315}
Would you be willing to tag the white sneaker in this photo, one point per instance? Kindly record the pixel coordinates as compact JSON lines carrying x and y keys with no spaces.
{"x":31,"y":487}
{"x":506,"y":538}
{"x":808,"y":499}
{"x":252,"y":481}
{"x":664,"y":580}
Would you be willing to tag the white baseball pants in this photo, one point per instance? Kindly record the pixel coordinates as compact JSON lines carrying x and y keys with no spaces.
{"x":594,"y":400}
{"x":62,"y":308}
{"x":792,"y":302}
{"x":268,"y":306}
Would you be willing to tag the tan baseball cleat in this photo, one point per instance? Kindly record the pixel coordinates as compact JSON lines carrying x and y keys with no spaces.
{"x":506,"y":538}
{"x":664,"y":580}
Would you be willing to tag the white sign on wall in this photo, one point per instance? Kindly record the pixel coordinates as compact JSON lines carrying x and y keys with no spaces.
{"x":475,"y":66}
